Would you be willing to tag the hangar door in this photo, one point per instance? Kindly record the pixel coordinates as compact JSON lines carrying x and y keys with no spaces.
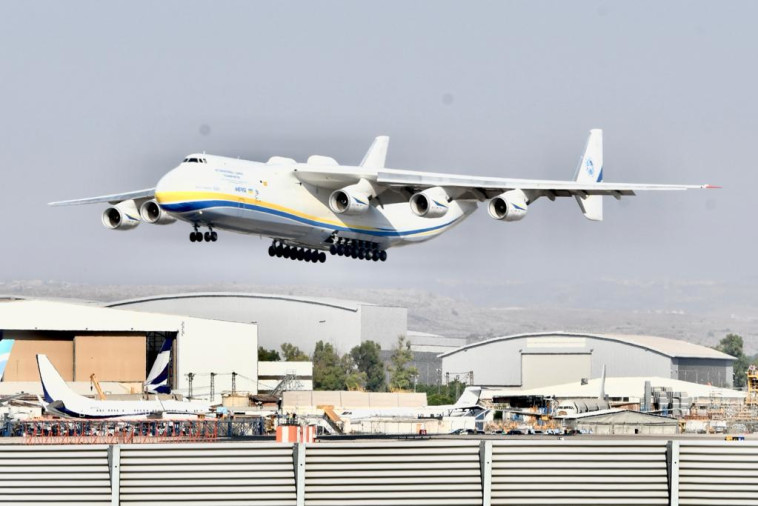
{"x":545,"y":369}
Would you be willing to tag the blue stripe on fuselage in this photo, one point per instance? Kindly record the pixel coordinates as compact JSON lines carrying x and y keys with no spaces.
{"x":186,"y":207}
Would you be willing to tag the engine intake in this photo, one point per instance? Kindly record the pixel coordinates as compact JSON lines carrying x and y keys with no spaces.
{"x":509,"y":206}
{"x":430,"y":203}
{"x":349,"y":200}
{"x":151,"y":212}
{"x":122,"y":216}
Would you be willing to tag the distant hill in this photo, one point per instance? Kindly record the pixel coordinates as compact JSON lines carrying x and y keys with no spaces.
{"x":700,"y":313}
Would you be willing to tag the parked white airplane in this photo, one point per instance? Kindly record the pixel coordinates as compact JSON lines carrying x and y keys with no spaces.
{"x":358,"y":212}
{"x":466,"y":405}
{"x":61,"y":400}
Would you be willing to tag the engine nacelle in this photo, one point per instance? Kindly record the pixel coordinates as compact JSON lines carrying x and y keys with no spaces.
{"x":349,"y":200}
{"x":151,"y":212}
{"x":122,"y":216}
{"x":430,"y":203}
{"x":508,"y":206}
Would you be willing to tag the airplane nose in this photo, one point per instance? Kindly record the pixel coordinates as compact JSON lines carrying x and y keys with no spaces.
{"x":166,"y":185}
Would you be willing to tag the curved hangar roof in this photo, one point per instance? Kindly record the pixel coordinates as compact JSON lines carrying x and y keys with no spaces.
{"x":668,"y":347}
{"x":346,"y":305}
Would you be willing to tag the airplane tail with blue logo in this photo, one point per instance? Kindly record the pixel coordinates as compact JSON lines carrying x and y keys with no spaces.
{"x":157,"y":379}
{"x":590,"y":170}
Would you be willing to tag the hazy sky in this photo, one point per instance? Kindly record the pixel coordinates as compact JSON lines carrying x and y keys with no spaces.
{"x":102,"y":97}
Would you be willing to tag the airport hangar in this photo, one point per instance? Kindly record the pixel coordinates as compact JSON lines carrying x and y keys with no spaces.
{"x":538,"y":360}
{"x":303,"y":321}
{"x":119,"y":346}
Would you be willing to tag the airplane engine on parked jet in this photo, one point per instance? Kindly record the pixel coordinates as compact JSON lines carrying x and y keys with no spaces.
{"x":508,"y":206}
{"x":122,"y":216}
{"x":151,"y":212}
{"x":349,"y":200}
{"x":430,"y":203}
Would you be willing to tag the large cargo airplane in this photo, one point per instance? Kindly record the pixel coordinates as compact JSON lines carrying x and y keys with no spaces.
{"x":61,"y":400}
{"x":351,"y":211}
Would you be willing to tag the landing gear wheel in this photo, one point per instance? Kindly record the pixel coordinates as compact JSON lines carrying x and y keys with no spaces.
{"x":383,"y":255}
{"x":271,"y":250}
{"x":361,"y":253}
{"x":340,"y":249}
{"x":369,"y":255}
{"x":192,"y":237}
{"x":214,"y":236}
{"x":207,"y":237}
{"x":300,"y":254}
{"x":333,"y":249}
{"x":322,"y":257}
{"x":279,"y":251}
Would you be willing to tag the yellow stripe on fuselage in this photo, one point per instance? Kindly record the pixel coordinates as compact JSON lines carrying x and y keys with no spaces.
{"x":176,"y":197}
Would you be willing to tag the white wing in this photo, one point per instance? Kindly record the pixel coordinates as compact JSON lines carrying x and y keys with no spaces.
{"x":113,"y":199}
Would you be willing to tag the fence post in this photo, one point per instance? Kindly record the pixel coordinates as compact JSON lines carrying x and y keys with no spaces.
{"x":672,"y":461}
{"x":485,"y":463}
{"x":114,"y":470}
{"x":298,"y":452}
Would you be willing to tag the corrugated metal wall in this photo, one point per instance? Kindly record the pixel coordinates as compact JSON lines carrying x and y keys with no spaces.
{"x":208,"y":474}
{"x":54,"y":475}
{"x":454,"y":472}
{"x":424,"y":472}
{"x":712,"y":472}
{"x":579,"y":472}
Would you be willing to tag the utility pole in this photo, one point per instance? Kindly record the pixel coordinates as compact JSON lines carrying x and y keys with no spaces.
{"x":190,"y":377}
{"x":213,"y":386}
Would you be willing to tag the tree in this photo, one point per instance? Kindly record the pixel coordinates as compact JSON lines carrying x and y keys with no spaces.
{"x":367,"y":360}
{"x":732,"y":345}
{"x":292,"y":353}
{"x":265,"y":355}
{"x":328,"y":371}
{"x":355,"y":379}
{"x":401,"y":371}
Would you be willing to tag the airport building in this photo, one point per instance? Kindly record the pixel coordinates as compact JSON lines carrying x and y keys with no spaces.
{"x":301,"y":321}
{"x":118,"y":347}
{"x":536,"y":360}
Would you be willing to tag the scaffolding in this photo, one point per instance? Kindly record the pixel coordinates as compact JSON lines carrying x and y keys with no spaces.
{"x":752,"y":386}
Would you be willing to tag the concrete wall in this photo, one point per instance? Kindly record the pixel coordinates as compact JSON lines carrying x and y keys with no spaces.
{"x":205,"y":346}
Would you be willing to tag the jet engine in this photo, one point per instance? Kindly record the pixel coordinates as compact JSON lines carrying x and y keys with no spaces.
{"x":151,"y":212}
{"x":508,"y":206}
{"x":349,"y":200}
{"x":430,"y":203}
{"x":122,"y":216}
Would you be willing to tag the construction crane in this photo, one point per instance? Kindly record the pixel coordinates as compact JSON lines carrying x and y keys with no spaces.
{"x":100,"y":394}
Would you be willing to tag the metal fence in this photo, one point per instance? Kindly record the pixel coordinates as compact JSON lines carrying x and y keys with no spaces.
{"x":376,"y":473}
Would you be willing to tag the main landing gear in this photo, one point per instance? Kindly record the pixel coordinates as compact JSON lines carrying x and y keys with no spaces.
{"x":279,"y":249}
{"x":209,"y":236}
{"x":361,"y":250}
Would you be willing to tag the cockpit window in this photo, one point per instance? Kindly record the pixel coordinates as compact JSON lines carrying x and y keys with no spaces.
{"x":194,"y":160}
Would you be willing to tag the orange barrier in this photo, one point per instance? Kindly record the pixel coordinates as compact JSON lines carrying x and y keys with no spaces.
{"x":295,"y":434}
{"x":54,"y":431}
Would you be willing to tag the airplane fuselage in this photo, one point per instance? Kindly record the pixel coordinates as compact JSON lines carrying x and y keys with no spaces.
{"x":269,"y":200}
